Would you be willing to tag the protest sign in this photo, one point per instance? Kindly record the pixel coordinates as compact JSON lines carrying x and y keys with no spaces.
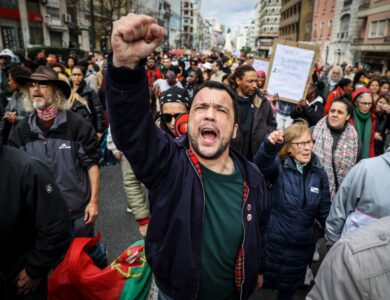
{"x":290,"y":70}
{"x":260,"y":64}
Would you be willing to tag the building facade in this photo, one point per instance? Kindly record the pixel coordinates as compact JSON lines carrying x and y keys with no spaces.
{"x":187,"y":24}
{"x":268,"y":18}
{"x":323,"y":16}
{"x":174,"y":25}
{"x":296,"y":18}
{"x":372,"y":46}
{"x":28,"y":23}
{"x":345,"y":30}
{"x":217,"y":30}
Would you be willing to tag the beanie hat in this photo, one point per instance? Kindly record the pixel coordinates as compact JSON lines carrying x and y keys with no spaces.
{"x":260,"y":73}
{"x":358,"y":92}
{"x":176,"y":94}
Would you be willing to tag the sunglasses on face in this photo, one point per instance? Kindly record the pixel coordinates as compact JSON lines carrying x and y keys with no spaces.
{"x":38,"y":84}
{"x":167,"y":118}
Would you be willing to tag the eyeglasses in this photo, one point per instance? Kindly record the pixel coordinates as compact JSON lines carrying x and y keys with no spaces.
{"x":77,"y":74}
{"x":365,"y":103}
{"x":38,"y":84}
{"x":167,"y":118}
{"x":302,"y":145}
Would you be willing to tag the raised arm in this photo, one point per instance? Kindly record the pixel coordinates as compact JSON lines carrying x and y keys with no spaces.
{"x":266,"y":158}
{"x":134,"y":132}
{"x":134,"y":38}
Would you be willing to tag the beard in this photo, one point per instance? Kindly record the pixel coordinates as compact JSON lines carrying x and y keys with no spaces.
{"x":223,"y":145}
{"x":40,"y":104}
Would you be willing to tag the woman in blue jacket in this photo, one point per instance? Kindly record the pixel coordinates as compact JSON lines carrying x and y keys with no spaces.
{"x":300,"y":195}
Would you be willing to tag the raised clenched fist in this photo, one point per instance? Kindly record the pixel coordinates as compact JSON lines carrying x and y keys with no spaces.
{"x":133,"y":38}
{"x":276,"y":137}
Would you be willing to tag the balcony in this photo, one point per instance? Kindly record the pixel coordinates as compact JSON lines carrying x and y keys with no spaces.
{"x":358,"y":41}
{"x":342,"y":35}
{"x":386,"y":39}
{"x":364,"y":6}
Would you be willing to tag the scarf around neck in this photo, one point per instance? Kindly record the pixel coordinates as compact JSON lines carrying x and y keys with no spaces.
{"x":47,"y":113}
{"x":363,"y":125}
{"x":337,"y":164}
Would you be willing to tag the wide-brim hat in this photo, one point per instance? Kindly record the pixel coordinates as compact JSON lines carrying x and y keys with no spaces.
{"x":47,"y":75}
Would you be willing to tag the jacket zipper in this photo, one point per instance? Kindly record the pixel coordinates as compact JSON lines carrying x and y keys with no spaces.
{"x":45,"y":143}
{"x":243,"y":243}
{"x":204,"y":209}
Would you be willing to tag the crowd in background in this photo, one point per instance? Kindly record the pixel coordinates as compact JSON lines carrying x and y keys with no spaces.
{"x":313,"y":144}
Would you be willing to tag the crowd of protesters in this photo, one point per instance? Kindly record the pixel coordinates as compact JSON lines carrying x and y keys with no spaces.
{"x":240,"y":183}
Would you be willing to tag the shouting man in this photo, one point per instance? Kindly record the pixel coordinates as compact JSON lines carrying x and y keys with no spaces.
{"x":208,"y":203}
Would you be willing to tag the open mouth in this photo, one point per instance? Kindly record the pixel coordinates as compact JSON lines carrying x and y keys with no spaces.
{"x":209,"y":134}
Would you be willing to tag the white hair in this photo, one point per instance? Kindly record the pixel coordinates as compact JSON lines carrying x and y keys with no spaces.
{"x":59,"y":100}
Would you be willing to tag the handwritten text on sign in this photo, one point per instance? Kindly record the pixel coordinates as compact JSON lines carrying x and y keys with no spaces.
{"x":290,"y":70}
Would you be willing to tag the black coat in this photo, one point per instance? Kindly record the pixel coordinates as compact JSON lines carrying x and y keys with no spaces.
{"x":263,"y":123}
{"x":35,"y":230}
{"x":97,"y":116}
{"x":311,"y":113}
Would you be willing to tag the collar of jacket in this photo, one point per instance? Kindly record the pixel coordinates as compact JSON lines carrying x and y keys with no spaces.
{"x":58,"y":125}
{"x":248,"y":170}
{"x":257,"y":99}
{"x":314,"y":163}
{"x":81,"y":87}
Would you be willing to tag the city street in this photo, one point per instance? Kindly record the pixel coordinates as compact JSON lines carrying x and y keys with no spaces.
{"x":119,"y":228}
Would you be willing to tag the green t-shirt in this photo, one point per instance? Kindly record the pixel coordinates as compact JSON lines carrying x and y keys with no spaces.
{"x":222,"y":234}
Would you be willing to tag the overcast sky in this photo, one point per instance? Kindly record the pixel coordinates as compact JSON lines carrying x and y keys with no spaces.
{"x":230,"y":12}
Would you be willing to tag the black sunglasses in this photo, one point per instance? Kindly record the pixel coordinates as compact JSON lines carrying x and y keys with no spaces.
{"x":167,"y":118}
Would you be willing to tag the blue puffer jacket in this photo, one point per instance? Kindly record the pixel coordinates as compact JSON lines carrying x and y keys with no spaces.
{"x":297,"y":200}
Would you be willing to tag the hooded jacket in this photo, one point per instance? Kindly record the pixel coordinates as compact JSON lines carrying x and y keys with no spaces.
{"x":34,"y":223}
{"x":176,"y":193}
{"x":364,"y":189}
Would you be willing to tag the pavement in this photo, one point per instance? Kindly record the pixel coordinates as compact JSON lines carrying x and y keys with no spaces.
{"x":119,"y":229}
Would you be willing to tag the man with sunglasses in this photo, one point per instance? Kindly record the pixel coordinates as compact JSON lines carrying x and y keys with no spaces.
{"x":174,"y":102}
{"x":208,"y":204}
{"x":65,"y":142}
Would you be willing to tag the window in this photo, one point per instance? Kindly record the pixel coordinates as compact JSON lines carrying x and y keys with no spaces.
{"x":9,"y":3}
{"x":55,"y":12}
{"x":344,"y":24}
{"x":36,"y":33}
{"x":32,"y":6}
{"x":8,"y":35}
{"x":378,"y":28}
{"x":347,"y":2}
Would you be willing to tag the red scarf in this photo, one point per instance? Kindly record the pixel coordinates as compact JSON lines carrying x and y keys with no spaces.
{"x":47,"y":113}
